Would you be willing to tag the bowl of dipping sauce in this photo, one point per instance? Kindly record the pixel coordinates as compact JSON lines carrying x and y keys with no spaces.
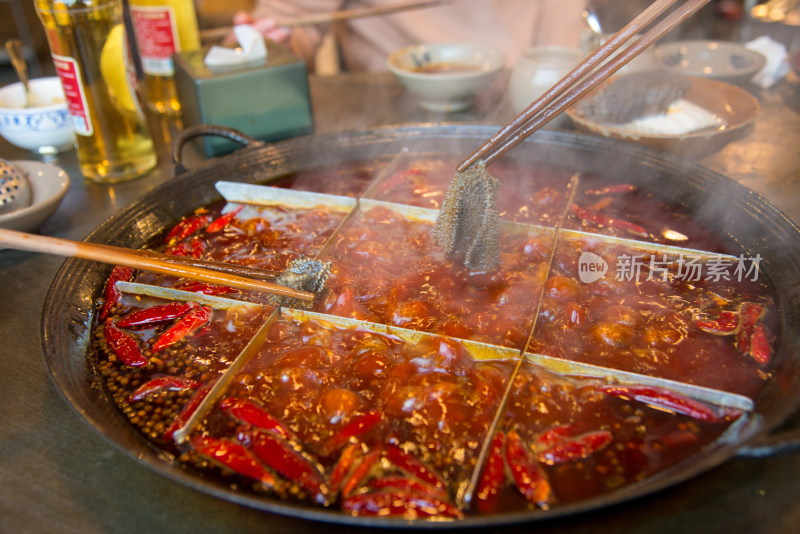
{"x":446,"y":76}
{"x":44,"y":126}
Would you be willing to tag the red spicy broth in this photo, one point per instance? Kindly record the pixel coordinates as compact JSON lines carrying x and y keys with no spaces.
{"x":525,"y":195}
{"x":430,"y":397}
{"x":634,"y":319}
{"x":387,"y":269}
{"x":351,"y":397}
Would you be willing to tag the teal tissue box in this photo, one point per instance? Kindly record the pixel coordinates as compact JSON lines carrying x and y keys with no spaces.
{"x":267,"y":100}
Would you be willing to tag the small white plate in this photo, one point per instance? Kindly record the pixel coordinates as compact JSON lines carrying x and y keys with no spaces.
{"x":49,"y":184}
{"x":721,"y":60}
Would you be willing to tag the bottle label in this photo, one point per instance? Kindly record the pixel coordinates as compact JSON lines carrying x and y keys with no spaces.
{"x":70,"y":76}
{"x":157,"y":37}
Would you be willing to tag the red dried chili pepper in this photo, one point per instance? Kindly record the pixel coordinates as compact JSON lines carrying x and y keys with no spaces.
{"x":399,"y":503}
{"x":726,"y":323}
{"x":551,"y":437}
{"x":194,"y":319}
{"x":413,"y":466}
{"x":233,"y":456}
{"x":528,"y":476}
{"x":196,"y":247}
{"x":613,"y":190}
{"x":679,"y":438}
{"x":222,"y":221}
{"x":577,"y":448}
{"x":111,"y":294}
{"x":179,"y":249}
{"x":407,"y":484}
{"x":162,"y":383}
{"x":493,"y":477}
{"x":186,"y":412}
{"x":360,"y":472}
{"x":204,"y":288}
{"x":662,"y":398}
{"x":605,"y":220}
{"x":759,"y":345}
{"x":344,"y":466}
{"x":750,"y":314}
{"x":191,"y":249}
{"x":358,"y":426}
{"x":123,"y":345}
{"x":155,"y":314}
{"x":186,"y":227}
{"x":276,"y":453}
{"x":251,"y":413}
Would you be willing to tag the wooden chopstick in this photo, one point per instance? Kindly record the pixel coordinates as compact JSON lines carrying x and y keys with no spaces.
{"x":144,"y":260}
{"x":583,"y":78}
{"x":234,"y":269}
{"x":333,"y":16}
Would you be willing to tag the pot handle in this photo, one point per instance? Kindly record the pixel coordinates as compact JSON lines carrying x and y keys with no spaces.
{"x":201,"y":130}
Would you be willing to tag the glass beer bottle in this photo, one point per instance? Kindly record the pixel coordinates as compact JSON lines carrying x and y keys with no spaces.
{"x":163,"y":27}
{"x":88,"y":46}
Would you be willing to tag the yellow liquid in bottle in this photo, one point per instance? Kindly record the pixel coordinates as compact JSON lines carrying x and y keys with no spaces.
{"x":113,"y":142}
{"x":173,"y":23}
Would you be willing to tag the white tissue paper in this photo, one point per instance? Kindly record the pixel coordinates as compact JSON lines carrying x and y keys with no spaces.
{"x":777,"y":65}
{"x":252,"y":49}
{"x":682,"y":117}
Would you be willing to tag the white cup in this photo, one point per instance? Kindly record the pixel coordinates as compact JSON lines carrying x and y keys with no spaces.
{"x":537,"y":70}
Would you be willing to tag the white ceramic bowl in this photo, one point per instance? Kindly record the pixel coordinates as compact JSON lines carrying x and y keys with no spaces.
{"x":722,"y":60}
{"x":49,"y":184}
{"x":45,"y":128}
{"x":446,"y":76}
{"x":537,"y":70}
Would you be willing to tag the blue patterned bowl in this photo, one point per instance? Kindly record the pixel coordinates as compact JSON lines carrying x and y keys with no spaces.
{"x":46,"y":127}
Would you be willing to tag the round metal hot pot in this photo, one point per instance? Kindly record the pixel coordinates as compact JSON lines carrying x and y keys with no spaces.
{"x":718,"y":202}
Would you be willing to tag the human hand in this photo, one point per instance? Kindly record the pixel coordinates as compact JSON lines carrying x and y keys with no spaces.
{"x":267,"y":27}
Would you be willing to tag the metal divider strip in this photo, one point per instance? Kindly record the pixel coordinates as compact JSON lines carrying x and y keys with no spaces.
{"x":254,"y":194}
{"x":222,"y":383}
{"x":465,"y":499}
{"x":255,"y":343}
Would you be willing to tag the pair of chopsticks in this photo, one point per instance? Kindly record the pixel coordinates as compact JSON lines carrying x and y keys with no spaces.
{"x":576,"y":84}
{"x":585,"y":77}
{"x":210,"y":272}
{"x":334,"y":16}
{"x":468,"y":221}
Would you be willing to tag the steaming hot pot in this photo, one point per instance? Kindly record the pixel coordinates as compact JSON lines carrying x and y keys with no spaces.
{"x":713,"y":202}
